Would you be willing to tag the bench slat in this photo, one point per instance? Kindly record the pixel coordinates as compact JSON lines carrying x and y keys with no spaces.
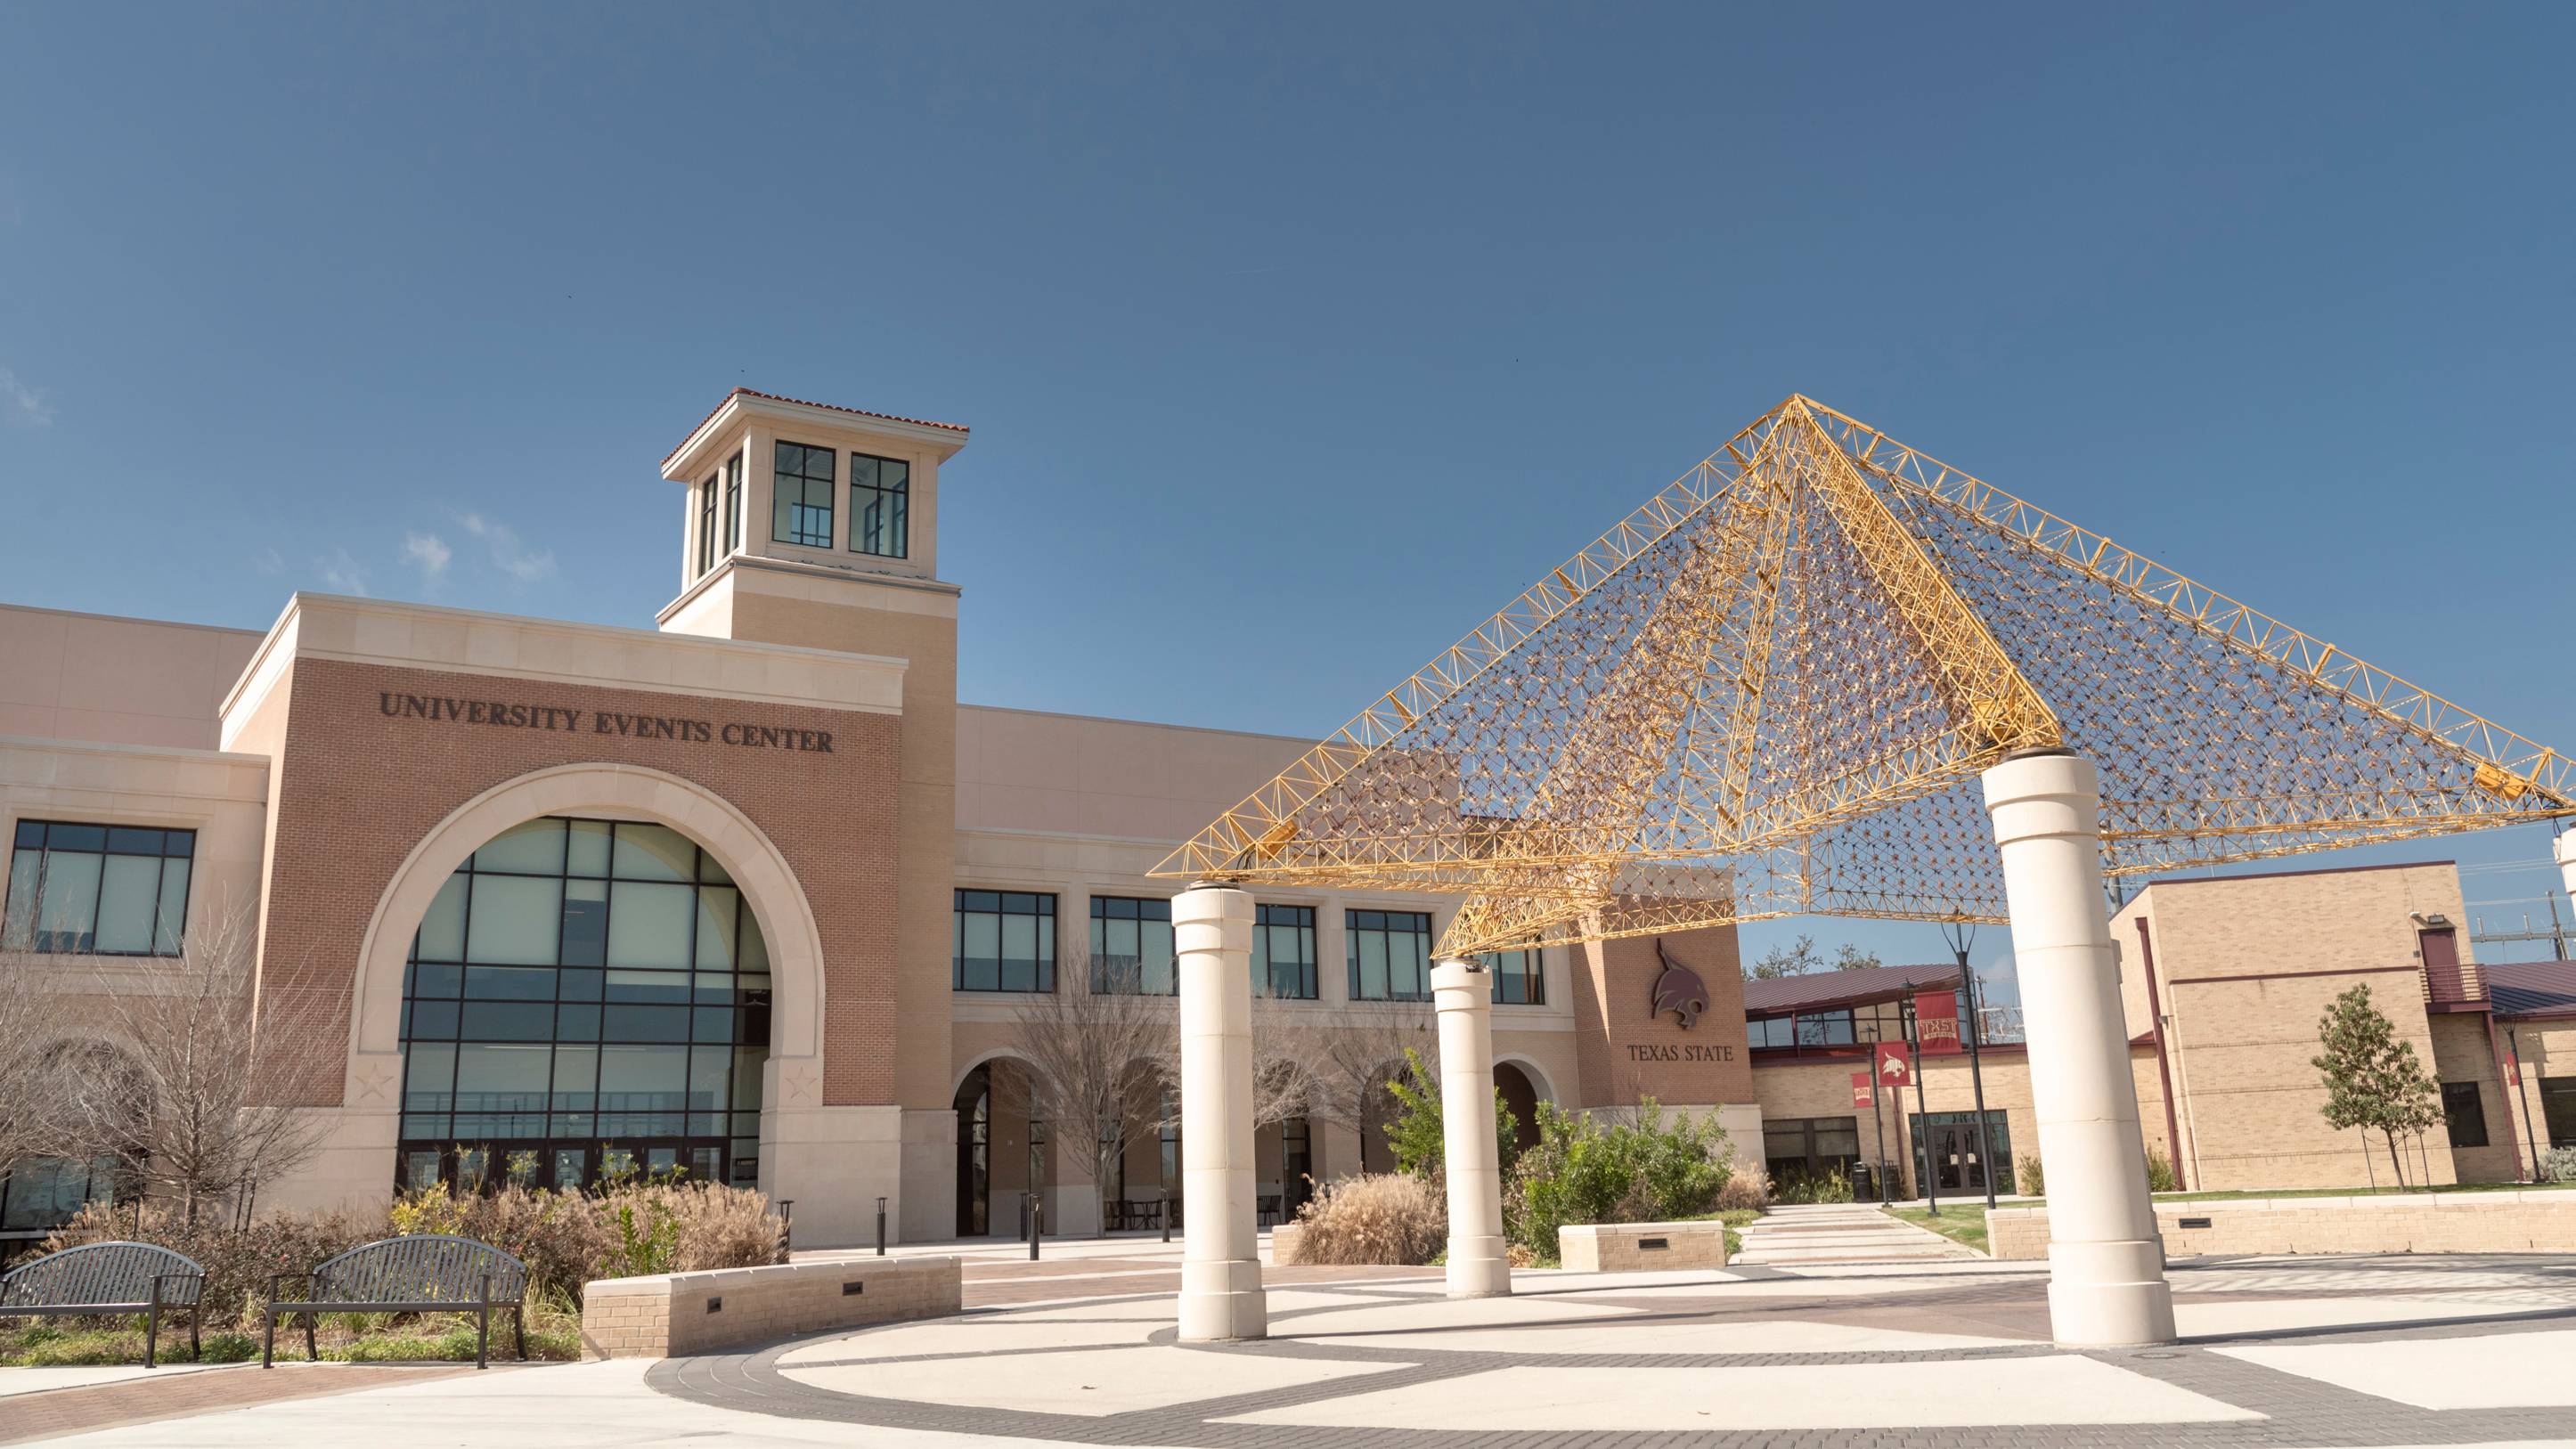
{"x":113,"y":1277}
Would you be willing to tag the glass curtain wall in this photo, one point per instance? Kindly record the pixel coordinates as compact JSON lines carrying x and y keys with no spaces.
{"x":584,"y":997}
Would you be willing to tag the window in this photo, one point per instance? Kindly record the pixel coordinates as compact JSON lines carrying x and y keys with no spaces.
{"x":578,"y":986}
{"x":1131,"y":946}
{"x":2465,"y":1113}
{"x":41,"y":1193}
{"x":1005,"y":941}
{"x":803,"y":504}
{"x":97,"y":890}
{"x":707,"y":525}
{"x":1390,"y":955}
{"x":880,"y":506}
{"x":1771,"y":1031}
{"x":733,"y":503}
{"x":1826,"y":1028}
{"x":1810,"y":1147}
{"x":2558,"y":1110}
{"x":1283,"y":951}
{"x":1517,"y":979}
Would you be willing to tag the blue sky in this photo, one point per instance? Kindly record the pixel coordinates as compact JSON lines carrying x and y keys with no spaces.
{"x":1318,"y":330}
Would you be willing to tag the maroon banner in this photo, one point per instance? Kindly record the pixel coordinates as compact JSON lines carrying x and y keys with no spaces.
{"x":1936,"y":1022}
{"x":1893,"y":1068}
{"x":1864,"y":1093}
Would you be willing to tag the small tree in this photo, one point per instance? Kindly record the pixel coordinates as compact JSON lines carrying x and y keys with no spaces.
{"x":198,"y":1086}
{"x":1098,"y":1059}
{"x":31,"y":1099}
{"x":1419,"y":1134}
{"x":1794,"y":959}
{"x":2373,"y":1081}
{"x":1848,"y":957}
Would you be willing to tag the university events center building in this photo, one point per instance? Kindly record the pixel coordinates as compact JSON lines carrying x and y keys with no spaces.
{"x":749,"y":892}
{"x":752,"y":893}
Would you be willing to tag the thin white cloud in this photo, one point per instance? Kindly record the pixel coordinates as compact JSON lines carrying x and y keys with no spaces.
{"x":509,"y":555}
{"x":427,"y":552}
{"x":22,"y":406}
{"x":269,"y":561}
{"x":343,"y":573}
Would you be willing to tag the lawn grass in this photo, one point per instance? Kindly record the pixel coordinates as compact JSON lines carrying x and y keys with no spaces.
{"x":2381,"y":1191}
{"x":1959,"y":1224}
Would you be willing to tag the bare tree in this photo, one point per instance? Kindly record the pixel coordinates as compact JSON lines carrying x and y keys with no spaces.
{"x":196,"y":1090}
{"x":1347,"y":1056}
{"x":31,"y":1115}
{"x":1099,"y":1061}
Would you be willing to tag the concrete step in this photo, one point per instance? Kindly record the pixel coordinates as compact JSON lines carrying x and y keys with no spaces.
{"x":1840,"y":1233}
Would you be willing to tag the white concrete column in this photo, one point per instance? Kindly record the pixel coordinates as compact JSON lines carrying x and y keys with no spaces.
{"x":2106,"y":1262}
{"x":1221,"y":1293}
{"x":1462,"y":993}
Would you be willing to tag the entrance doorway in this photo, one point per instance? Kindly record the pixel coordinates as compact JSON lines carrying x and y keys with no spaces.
{"x":1520,"y":1095}
{"x":1961,"y":1157}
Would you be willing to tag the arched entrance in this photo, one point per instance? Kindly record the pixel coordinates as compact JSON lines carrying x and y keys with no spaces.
{"x":584,"y":999}
{"x":1001,"y":1148}
{"x":1521,"y":1096}
{"x":689,"y":857}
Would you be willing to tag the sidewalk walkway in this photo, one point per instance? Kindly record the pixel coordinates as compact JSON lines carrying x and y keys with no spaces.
{"x":1840,"y":1233}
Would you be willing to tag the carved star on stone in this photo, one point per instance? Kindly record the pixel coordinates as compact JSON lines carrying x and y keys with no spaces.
{"x":797,"y":1083}
{"x":375,"y":1080}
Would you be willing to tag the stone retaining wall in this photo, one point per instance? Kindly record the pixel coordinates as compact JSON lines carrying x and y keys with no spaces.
{"x":674,"y":1314}
{"x":1640,"y":1247}
{"x":2541,"y":1221}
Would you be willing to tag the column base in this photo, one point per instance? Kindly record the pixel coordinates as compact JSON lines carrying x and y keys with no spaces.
{"x":1478,"y":1269}
{"x":2109,"y":1295}
{"x":1223,"y":1300}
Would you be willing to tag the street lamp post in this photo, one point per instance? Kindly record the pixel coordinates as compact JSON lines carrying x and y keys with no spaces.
{"x":1963,"y":934}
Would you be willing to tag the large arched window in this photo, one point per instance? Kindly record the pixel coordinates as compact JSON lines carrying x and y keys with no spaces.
{"x":584,"y":995}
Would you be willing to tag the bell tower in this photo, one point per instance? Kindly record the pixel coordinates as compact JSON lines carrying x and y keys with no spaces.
{"x":818,"y":526}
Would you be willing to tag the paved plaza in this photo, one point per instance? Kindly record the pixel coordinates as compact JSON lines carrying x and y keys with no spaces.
{"x":2317,"y":1352}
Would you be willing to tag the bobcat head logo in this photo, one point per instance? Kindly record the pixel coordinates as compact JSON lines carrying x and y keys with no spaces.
{"x":1678,"y":990}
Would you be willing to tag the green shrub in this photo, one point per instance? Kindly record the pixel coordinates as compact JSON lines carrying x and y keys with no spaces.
{"x":229,"y":1348}
{"x":2160,"y":1172}
{"x":1580,"y":1171}
{"x":2559,"y":1165}
{"x":2034,"y":1179}
{"x":1813,"y":1187}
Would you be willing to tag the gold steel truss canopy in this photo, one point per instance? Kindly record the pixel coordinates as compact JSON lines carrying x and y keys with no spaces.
{"x":1770,"y":691}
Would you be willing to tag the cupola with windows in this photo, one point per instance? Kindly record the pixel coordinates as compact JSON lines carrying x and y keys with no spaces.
{"x":832,"y":505}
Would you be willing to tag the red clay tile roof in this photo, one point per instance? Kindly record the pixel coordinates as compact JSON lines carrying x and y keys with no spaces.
{"x":1842,"y":988}
{"x":802,"y":403}
{"x":2531,"y":988}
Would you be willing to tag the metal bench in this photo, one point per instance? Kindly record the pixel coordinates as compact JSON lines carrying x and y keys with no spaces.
{"x":109,"y":1278}
{"x":421,"y":1274}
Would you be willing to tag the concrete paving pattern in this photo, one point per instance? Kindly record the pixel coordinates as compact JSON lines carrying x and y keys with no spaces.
{"x":2321,"y":1353}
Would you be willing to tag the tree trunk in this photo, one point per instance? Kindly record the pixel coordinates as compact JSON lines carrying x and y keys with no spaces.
{"x":2393,"y":1160}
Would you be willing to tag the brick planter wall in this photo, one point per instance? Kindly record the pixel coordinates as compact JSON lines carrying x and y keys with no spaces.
{"x":670,"y":1315}
{"x":2429,"y":1222}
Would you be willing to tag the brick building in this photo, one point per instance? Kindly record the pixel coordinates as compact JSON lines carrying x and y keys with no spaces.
{"x":2223,"y":979}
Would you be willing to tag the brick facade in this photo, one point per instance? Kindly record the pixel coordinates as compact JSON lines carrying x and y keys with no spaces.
{"x":356,"y":789}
